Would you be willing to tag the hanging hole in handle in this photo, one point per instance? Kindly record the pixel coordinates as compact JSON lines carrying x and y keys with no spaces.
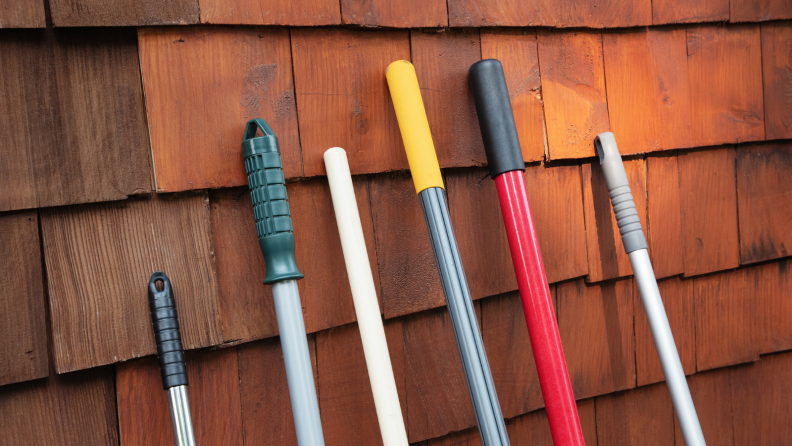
{"x":600,"y":152}
{"x":159,"y":284}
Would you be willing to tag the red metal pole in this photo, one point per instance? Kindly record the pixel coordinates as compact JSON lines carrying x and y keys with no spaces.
{"x":539,"y":313}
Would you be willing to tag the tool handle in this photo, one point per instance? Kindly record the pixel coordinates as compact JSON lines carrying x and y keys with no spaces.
{"x":414,"y":125}
{"x":620,"y":194}
{"x":496,"y":120}
{"x":270,"y":201}
{"x":165,"y":321}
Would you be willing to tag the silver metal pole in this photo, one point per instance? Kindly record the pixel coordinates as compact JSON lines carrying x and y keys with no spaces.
{"x":180,"y":416}
{"x":299,"y":372}
{"x":463,"y":319}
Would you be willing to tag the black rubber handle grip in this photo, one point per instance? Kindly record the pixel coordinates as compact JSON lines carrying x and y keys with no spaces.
{"x":166,"y":332}
{"x":495,"y":116}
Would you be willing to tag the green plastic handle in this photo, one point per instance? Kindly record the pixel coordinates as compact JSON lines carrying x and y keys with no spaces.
{"x":270,"y":202}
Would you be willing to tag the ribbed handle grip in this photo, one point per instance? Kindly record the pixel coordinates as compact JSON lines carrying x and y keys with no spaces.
{"x":620,"y":194}
{"x":270,"y":202}
{"x":495,"y":116}
{"x":166,"y":332}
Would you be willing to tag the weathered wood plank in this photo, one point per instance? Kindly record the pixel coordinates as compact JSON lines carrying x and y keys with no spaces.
{"x":196,"y":131}
{"x":442,"y":60}
{"x":408,"y":273}
{"x":573,"y":89}
{"x":99,"y":259}
{"x":682,"y":11}
{"x":349,"y":104}
{"x":664,"y":215}
{"x":764,"y":200}
{"x":23,"y":352}
{"x":266,"y":407}
{"x":395,"y":13}
{"x":556,"y":201}
{"x":123,"y":12}
{"x":596,"y":325}
{"x":712,"y":397}
{"x":517,"y":51}
{"x":726,"y":319}
{"x":647,"y":84}
{"x":761,"y":399}
{"x":62,"y":410}
{"x":143,"y":413}
{"x":725,"y":72}
{"x":772,"y":283}
{"x":759,"y":10}
{"x":677,"y":298}
{"x":480,"y":233}
{"x":777,"y":78}
{"x":638,"y":416}
{"x":22,"y":14}
{"x":74,"y":120}
{"x":271,"y":12}
{"x":606,"y":256}
{"x":557,"y":13}
{"x":708,"y":199}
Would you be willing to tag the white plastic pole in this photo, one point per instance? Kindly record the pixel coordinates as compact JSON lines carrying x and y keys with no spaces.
{"x":364,"y":296}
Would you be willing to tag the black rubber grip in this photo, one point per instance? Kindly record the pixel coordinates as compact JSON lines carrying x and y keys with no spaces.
{"x":166,"y":332}
{"x":495,"y":116}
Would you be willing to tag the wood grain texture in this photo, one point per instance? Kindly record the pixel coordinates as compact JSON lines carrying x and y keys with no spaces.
{"x":761,"y":396}
{"x":62,"y":410}
{"x":606,"y":256}
{"x":681,"y":11}
{"x":724,"y":68}
{"x":442,"y":60}
{"x":143,"y":413}
{"x":759,"y":10}
{"x":596,"y":328}
{"x":349,"y":105}
{"x":78,"y":132}
{"x":510,"y":354}
{"x":764,"y":200}
{"x":438,"y":401}
{"x":712,"y":397}
{"x":123,"y":12}
{"x":638,"y":416}
{"x":266,"y":408}
{"x":271,"y":12}
{"x":777,"y":78}
{"x":23,"y":352}
{"x":409,"y":281}
{"x":726,"y":319}
{"x":22,"y":14}
{"x":708,"y":199}
{"x":678,"y":300}
{"x":395,"y":14}
{"x":647,"y":84}
{"x":99,"y":259}
{"x":533,"y":429}
{"x":517,"y":50}
{"x":196,"y":131}
{"x":556,"y":13}
{"x":772,"y":283}
{"x":573,"y":89}
{"x":556,"y":201}
{"x":481,"y":234}
{"x":664,"y":215}
{"x":345,"y":398}
{"x":326,"y":296}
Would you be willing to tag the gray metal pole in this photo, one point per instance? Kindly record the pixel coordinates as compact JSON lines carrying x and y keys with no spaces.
{"x":180,"y":416}
{"x":299,"y":371}
{"x":636,"y":248}
{"x":463,"y":318}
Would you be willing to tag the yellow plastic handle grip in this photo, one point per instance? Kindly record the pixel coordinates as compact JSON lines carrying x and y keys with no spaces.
{"x":413,"y":124}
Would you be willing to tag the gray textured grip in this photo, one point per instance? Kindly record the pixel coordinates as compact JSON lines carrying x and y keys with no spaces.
{"x":620,"y":194}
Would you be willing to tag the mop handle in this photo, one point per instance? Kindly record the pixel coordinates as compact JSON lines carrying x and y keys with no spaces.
{"x":636,"y":248}
{"x":270,"y":202}
{"x":166,"y":332}
{"x":502,"y":147}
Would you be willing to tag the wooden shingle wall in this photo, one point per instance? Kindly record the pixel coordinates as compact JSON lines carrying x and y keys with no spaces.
{"x":119,"y":156}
